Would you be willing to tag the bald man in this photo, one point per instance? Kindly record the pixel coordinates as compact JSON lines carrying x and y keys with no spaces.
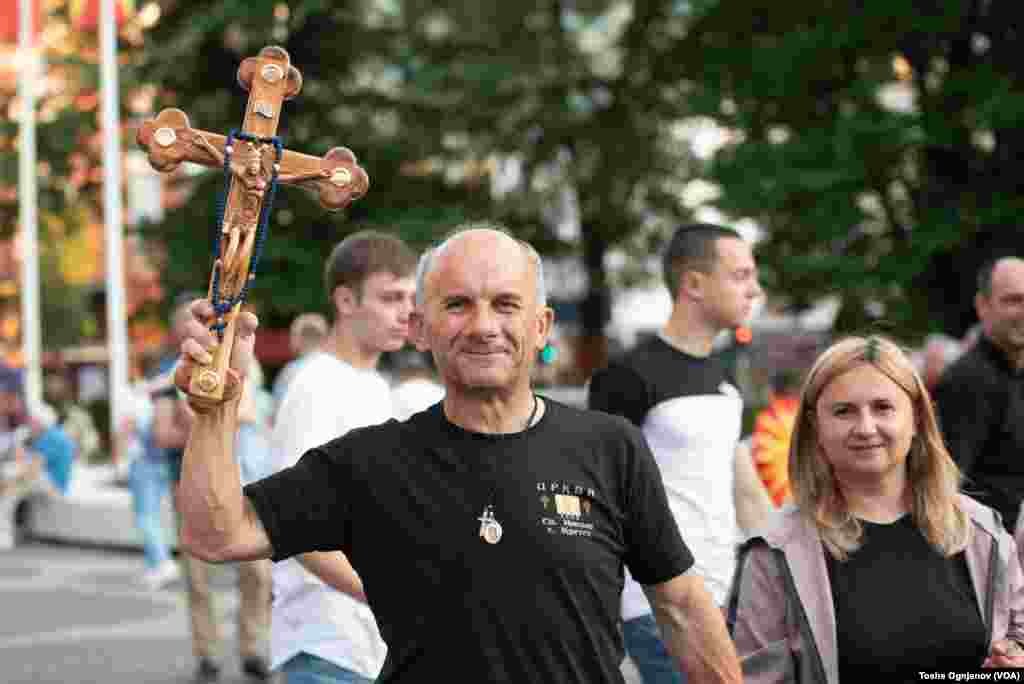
{"x":980,"y":397}
{"x":490,"y":531}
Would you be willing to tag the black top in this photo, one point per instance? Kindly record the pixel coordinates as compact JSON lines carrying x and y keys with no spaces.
{"x":653,"y":373}
{"x":980,"y":400}
{"x":578,"y":495}
{"x":901,"y":606}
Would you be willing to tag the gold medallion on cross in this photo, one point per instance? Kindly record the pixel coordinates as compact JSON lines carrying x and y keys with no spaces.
{"x":253,"y":163}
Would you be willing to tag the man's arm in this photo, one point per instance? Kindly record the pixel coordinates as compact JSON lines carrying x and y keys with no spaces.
{"x":693,"y":629}
{"x":335,"y":571}
{"x":218,"y":521}
{"x":964,"y":415}
{"x":753,"y":505}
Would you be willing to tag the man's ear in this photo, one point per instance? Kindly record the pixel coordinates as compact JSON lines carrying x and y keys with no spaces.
{"x":416,"y":336}
{"x":981,"y":305}
{"x":691,"y":285}
{"x":545,"y":322}
{"x":345,"y":300}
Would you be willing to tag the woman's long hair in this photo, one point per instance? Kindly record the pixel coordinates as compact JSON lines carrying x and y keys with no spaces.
{"x":932,"y":476}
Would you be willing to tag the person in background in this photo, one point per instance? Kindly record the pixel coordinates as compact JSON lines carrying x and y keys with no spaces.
{"x":75,"y":420}
{"x":149,"y":483}
{"x":13,"y":432}
{"x":883,"y":568}
{"x":150,"y":471}
{"x":172,"y":421}
{"x":50,"y":452}
{"x":773,"y":427}
{"x":322,"y":631}
{"x":12,"y":402}
{"x":305,"y":336}
{"x":980,"y":397}
{"x":687,"y":404}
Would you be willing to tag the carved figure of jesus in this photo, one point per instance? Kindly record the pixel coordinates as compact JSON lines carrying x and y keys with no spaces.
{"x":251,"y":166}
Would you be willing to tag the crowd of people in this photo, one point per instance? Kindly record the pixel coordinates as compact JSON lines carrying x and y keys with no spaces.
{"x":448,"y":518}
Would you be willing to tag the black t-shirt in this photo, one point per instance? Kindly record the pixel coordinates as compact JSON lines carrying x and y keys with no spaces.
{"x":980,"y":400}
{"x":901,"y":606}
{"x":578,"y":495}
{"x":655,"y":374}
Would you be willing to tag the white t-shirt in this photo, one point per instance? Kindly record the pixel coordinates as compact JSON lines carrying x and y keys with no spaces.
{"x":415,"y":395}
{"x":325,"y":399}
{"x":691,"y":415}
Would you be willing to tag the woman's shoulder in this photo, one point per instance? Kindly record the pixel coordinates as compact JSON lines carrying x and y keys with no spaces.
{"x":786,"y":525}
{"x":981,"y":515}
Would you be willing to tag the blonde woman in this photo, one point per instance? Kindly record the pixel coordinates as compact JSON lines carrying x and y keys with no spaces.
{"x":882,"y":567}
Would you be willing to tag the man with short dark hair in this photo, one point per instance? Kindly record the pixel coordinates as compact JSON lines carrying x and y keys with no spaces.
{"x":491,"y":531}
{"x":980,"y":397}
{"x":687,"y":404}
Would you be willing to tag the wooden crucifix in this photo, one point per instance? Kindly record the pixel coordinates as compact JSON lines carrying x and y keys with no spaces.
{"x":254,"y":163}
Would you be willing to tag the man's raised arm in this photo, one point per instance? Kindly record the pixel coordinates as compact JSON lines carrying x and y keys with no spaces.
{"x":218,"y":523}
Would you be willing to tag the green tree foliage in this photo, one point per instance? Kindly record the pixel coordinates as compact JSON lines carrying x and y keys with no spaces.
{"x":432,"y":96}
{"x":351,"y":61}
{"x":891,"y":207}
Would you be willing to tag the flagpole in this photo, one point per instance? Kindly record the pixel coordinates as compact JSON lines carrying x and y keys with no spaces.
{"x":28,"y":201}
{"x":117,"y":336}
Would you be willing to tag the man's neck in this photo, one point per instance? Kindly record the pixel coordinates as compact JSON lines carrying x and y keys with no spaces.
{"x":343,"y":345}
{"x":689,"y":333}
{"x":1014,"y":356}
{"x":494,"y":413}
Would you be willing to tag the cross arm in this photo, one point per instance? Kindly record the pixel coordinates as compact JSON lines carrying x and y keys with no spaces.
{"x":337,"y":177}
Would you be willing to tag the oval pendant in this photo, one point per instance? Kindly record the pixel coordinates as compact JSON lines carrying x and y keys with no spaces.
{"x":491,"y":531}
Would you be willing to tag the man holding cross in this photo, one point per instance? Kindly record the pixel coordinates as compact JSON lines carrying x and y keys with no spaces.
{"x":317,"y":634}
{"x":490,"y":531}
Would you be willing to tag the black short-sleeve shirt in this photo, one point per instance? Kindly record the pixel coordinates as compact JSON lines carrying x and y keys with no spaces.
{"x":900,"y":606}
{"x":578,"y":497}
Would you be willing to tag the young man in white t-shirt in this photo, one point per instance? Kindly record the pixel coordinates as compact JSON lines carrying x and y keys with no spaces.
{"x":321,"y":628}
{"x":690,"y":411}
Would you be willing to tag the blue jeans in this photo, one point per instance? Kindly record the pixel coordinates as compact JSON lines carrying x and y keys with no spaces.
{"x":645,"y":648}
{"x":149,"y":481}
{"x":309,"y":669}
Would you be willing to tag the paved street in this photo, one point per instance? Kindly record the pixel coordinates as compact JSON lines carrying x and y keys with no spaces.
{"x":73,"y":615}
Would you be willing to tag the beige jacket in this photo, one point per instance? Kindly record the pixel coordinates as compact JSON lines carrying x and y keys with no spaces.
{"x":783,"y":640}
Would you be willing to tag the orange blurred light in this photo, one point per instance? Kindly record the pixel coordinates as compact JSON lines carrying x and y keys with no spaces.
{"x":9,"y":327}
{"x":85,"y":14}
{"x":86,"y":102}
